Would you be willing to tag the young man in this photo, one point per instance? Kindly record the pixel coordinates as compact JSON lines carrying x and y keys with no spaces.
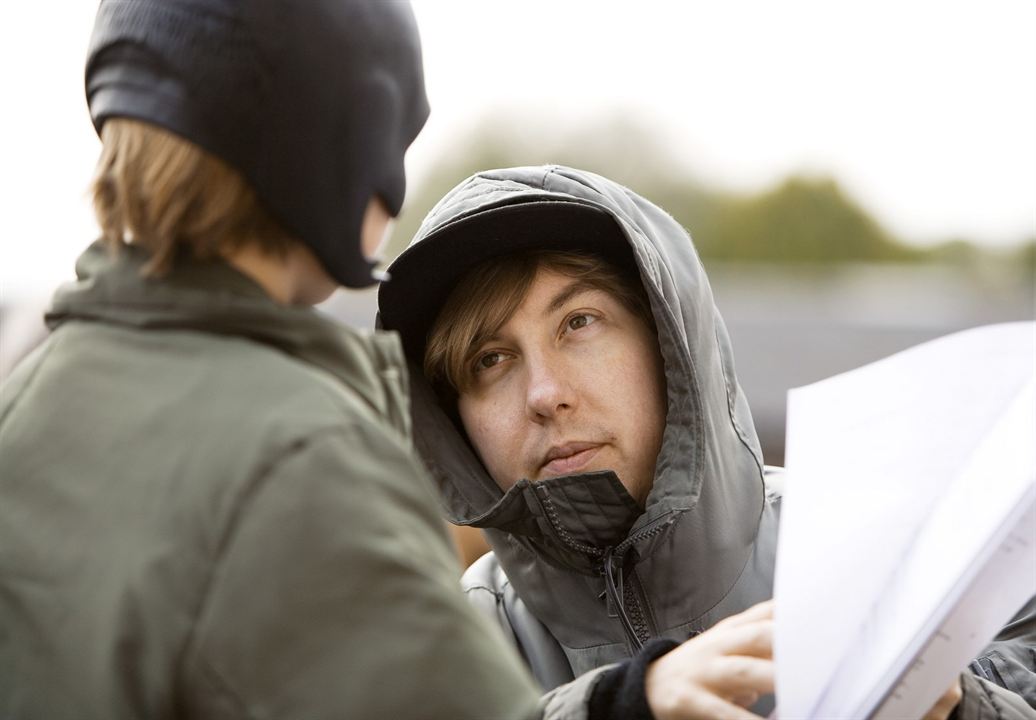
{"x":209,"y":504}
{"x":575,"y":396}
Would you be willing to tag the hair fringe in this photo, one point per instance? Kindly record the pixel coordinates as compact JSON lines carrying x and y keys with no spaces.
{"x":489,"y":294}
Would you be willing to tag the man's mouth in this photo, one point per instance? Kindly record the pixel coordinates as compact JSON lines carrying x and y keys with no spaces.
{"x":568,"y":458}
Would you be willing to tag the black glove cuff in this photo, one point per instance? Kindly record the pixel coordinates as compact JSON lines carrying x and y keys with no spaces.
{"x":619,"y":693}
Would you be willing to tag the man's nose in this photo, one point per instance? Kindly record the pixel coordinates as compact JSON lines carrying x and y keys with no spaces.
{"x":549,"y":390}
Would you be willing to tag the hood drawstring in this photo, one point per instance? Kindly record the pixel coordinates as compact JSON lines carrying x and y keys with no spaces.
{"x":613,"y":591}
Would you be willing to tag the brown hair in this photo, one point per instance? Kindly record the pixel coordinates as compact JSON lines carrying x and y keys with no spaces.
{"x":486,"y":297}
{"x":160,"y":192}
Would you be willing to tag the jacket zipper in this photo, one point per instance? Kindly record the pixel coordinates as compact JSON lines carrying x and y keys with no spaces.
{"x":636,"y":611}
{"x":626,"y":601}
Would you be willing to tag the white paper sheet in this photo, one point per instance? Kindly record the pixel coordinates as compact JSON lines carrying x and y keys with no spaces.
{"x":906,"y":481}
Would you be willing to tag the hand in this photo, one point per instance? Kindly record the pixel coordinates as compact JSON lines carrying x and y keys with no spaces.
{"x":945,"y":705}
{"x":717,"y":674}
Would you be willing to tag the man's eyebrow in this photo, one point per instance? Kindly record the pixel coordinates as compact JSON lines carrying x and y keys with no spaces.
{"x":577,"y":287}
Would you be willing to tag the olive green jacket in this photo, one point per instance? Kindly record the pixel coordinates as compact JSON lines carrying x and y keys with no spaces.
{"x":209,"y":507}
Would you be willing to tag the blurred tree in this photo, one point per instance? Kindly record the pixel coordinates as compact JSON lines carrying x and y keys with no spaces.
{"x":1025,"y":258}
{"x":999,"y":268}
{"x":957,"y":251}
{"x":800,"y":220}
{"x":615,"y":147}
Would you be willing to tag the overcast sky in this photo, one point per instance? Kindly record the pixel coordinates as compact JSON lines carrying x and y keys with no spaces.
{"x":924,"y":111}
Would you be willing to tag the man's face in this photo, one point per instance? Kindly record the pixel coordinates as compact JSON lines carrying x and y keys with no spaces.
{"x":573,"y":382}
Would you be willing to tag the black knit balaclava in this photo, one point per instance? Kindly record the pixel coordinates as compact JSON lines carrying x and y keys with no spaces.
{"x":314,"y":102}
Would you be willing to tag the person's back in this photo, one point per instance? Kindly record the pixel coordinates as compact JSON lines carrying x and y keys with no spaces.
{"x":209,"y":506}
{"x":192,"y":486}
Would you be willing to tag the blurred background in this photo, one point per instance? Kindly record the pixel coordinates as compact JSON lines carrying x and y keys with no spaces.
{"x":858,"y":177}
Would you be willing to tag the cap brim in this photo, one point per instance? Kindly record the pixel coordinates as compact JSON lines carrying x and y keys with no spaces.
{"x":423,"y":276}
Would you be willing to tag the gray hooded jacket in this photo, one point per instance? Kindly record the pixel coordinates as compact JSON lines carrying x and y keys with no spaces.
{"x":580,"y":574}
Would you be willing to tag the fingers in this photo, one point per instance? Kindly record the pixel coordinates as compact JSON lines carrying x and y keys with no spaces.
{"x":710,"y":706}
{"x":718,"y":673}
{"x":745,"y":699}
{"x":759,"y":611}
{"x":736,"y":675}
{"x":693,"y":702}
{"x":754,"y":639}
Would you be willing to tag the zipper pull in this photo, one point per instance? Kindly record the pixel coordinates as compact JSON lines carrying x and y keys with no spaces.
{"x":616,"y":602}
{"x":613,"y":590}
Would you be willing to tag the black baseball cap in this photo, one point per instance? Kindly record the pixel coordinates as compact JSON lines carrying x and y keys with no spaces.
{"x":422,"y":277}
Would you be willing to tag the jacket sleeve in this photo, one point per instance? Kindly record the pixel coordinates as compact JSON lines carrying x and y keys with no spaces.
{"x":1004,"y":675}
{"x":982,"y":700}
{"x":490,"y":592}
{"x":335,"y":595}
{"x":611,"y":692}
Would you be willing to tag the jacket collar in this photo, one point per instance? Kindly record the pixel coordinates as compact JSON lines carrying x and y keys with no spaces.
{"x":213,"y":297}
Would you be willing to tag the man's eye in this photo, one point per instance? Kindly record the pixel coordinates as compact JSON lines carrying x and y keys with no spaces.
{"x":577,"y":322}
{"x":488,"y":360}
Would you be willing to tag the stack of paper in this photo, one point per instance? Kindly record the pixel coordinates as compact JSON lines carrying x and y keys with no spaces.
{"x":908,"y":529}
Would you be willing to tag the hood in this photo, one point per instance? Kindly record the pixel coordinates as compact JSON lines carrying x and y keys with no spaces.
{"x":213,"y":297}
{"x":689,"y":545}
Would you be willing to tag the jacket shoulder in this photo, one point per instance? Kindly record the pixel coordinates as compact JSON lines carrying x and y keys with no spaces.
{"x":1009,"y":662}
{"x":488,"y":588}
{"x":985,"y":700}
